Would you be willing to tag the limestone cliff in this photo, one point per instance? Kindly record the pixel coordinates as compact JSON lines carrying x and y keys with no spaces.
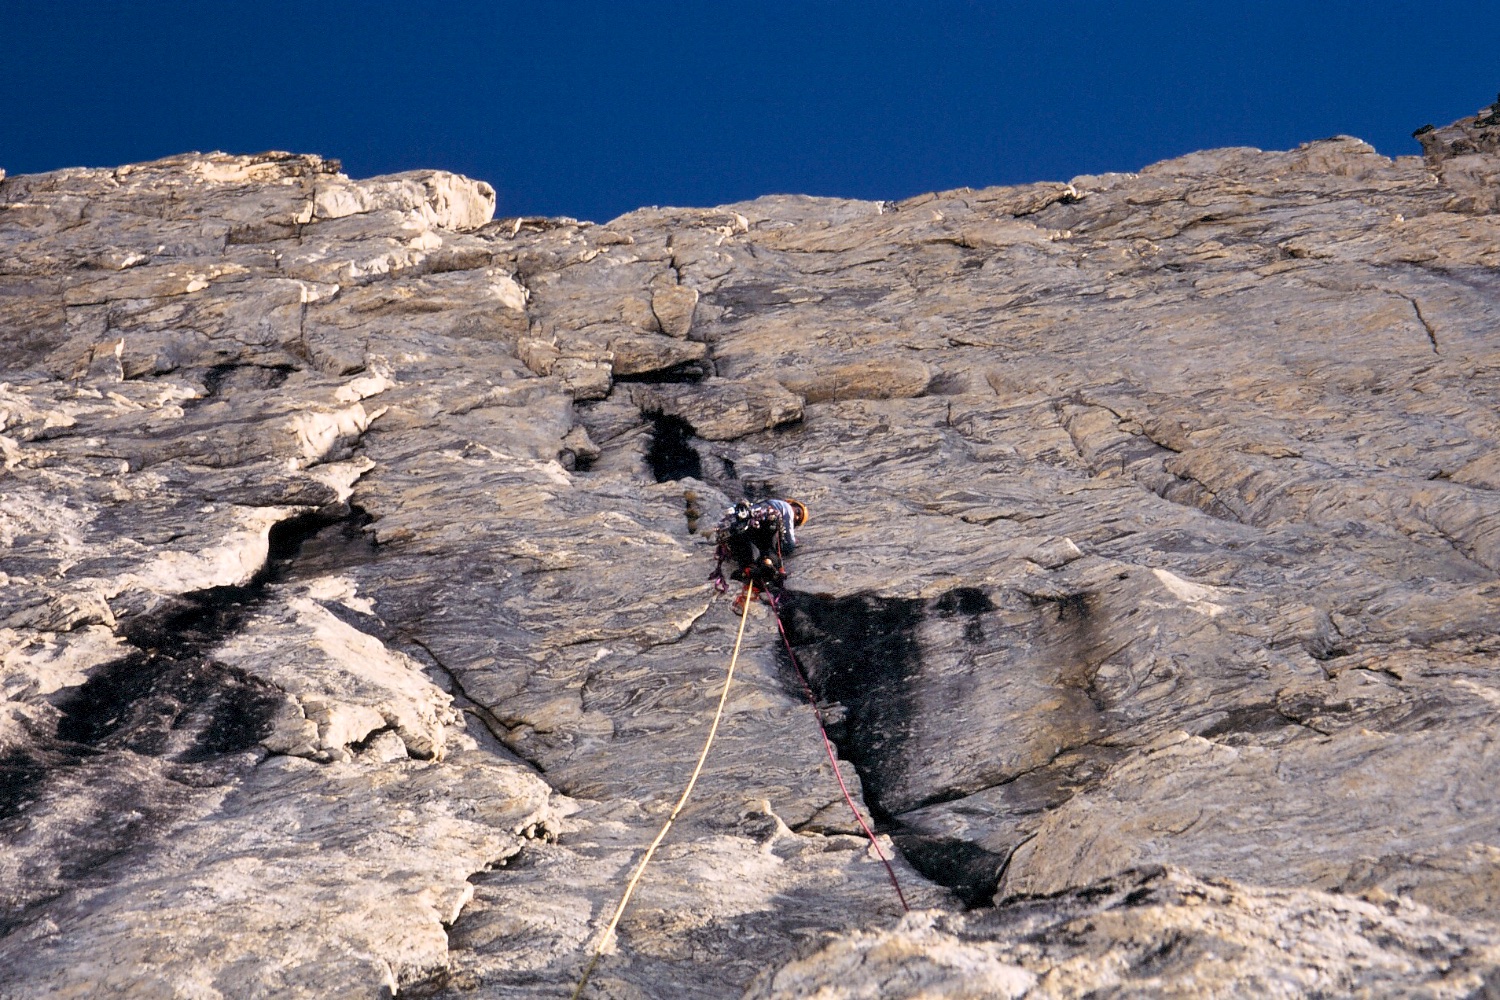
{"x":355,"y":638}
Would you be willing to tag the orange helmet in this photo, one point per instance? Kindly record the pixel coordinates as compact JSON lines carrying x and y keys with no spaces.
{"x":799,"y":512}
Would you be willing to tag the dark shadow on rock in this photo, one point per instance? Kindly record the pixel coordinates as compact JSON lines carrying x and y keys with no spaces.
{"x":321,"y":543}
{"x":969,"y":870}
{"x":671,"y":454}
{"x":240,"y":376}
{"x":678,"y":374}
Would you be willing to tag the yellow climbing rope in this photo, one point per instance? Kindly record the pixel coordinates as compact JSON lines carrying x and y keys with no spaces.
{"x":661,"y":835}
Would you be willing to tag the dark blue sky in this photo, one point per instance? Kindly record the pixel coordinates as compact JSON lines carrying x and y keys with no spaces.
{"x":591,"y":109}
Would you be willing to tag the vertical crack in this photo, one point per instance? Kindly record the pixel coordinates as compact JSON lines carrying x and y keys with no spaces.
{"x":1416,"y":308}
{"x":492,"y":723}
{"x":302,"y":351}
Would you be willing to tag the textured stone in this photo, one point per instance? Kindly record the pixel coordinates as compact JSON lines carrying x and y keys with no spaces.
{"x":638,"y":354}
{"x":355,"y":634}
{"x":719,"y":410}
{"x":1153,"y":933}
{"x":894,"y":379}
{"x":673,"y":306}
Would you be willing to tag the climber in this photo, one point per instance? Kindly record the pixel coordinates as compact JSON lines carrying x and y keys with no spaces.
{"x":757,"y":538}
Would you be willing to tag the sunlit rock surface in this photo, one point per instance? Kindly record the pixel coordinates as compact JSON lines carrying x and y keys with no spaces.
{"x":355,"y":635}
{"x":1155,"y":933}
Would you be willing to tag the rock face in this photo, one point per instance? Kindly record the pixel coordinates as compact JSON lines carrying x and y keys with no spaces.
{"x":1155,"y":933}
{"x":355,"y":639}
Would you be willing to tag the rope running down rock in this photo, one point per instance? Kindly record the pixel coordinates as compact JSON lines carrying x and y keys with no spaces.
{"x":661,"y":835}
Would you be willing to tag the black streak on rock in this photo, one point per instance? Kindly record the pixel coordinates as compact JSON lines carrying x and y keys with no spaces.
{"x":1075,"y":608}
{"x":864,"y":652}
{"x":133,"y":741}
{"x":970,"y":602}
{"x":21,"y":777}
{"x":963,"y":601}
{"x":1249,"y":719}
{"x":141,"y":702}
{"x":149,"y":702}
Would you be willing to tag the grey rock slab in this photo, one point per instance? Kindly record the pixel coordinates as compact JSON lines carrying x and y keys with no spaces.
{"x":1254,"y":820}
{"x":721,"y":410}
{"x":295,"y":866}
{"x":346,"y":687}
{"x":637,"y":354}
{"x":1143,"y":933}
{"x":867,"y":380}
{"x":674,"y":306}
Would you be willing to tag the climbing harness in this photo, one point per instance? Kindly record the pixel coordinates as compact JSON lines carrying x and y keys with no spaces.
{"x":787,"y":518}
{"x":661,"y":835}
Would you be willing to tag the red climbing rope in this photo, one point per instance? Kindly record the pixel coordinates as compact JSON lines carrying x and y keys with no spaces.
{"x":833,"y":757}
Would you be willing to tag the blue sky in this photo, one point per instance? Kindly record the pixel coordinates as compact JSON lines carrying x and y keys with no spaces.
{"x":591,"y":109}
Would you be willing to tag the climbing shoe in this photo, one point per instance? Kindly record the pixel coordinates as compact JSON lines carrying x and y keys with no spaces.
{"x":739,"y":599}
